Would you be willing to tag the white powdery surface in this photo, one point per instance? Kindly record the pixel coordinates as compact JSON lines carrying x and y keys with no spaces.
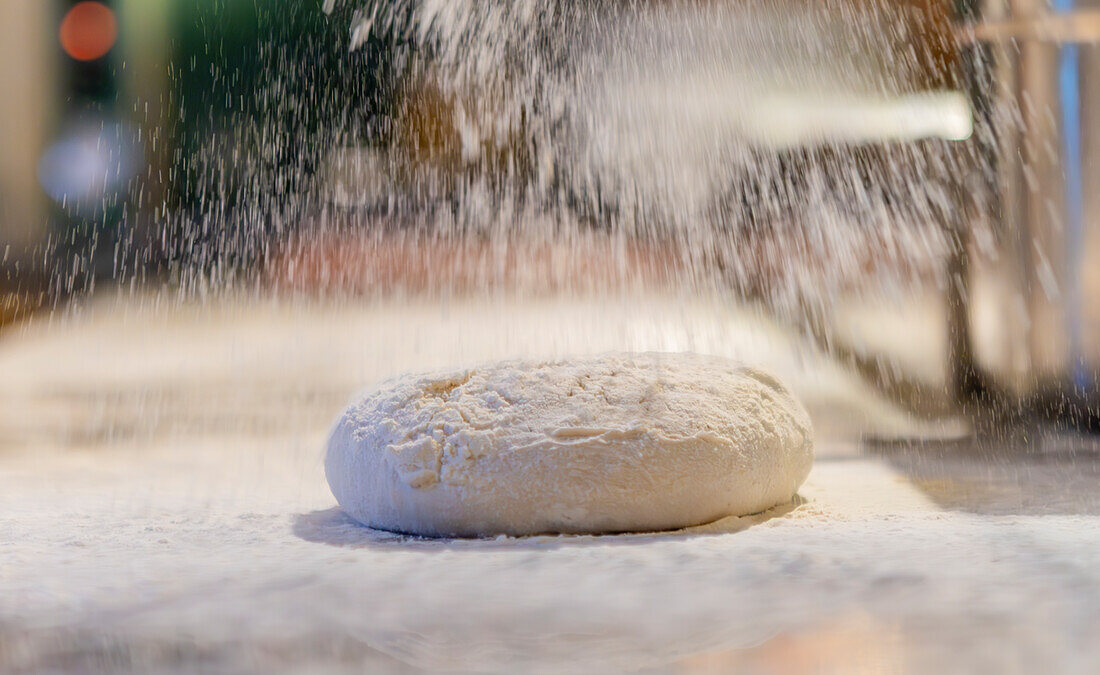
{"x":213,"y":555}
{"x":209,"y":542}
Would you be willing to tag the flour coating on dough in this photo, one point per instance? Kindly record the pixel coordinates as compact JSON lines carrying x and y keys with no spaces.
{"x":610,"y":443}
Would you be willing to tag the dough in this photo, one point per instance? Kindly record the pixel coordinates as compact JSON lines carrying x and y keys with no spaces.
{"x":610,"y":443}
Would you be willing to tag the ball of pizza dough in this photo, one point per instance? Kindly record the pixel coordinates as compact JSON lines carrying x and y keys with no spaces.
{"x":597,"y":444}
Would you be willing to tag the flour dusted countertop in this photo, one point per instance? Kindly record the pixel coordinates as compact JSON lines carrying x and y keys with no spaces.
{"x":163,"y":508}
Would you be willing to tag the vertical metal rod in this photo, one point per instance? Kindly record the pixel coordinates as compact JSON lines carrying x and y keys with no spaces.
{"x":1069,"y":77}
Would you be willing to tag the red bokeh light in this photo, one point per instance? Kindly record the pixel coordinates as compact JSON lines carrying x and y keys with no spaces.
{"x":88,"y":31}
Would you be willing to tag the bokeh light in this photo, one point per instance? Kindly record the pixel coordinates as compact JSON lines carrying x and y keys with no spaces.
{"x":89,"y":164}
{"x":88,"y":31}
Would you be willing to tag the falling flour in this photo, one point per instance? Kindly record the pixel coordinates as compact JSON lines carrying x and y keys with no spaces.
{"x":611,"y":443}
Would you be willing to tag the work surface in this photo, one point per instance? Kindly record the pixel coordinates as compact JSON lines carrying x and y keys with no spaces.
{"x":163,"y":509}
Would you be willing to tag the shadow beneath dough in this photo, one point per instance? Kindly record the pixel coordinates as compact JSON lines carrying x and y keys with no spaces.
{"x":336,"y":528}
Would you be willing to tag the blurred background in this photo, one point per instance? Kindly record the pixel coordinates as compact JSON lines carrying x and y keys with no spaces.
{"x":121,"y":120}
{"x":815,"y":151}
{"x":139,"y":135}
{"x":202,"y":146}
{"x":844,"y":167}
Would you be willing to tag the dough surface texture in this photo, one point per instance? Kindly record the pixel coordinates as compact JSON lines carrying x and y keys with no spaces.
{"x":608,"y":443}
